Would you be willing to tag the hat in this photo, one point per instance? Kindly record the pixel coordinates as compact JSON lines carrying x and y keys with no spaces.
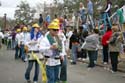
{"x":18,"y":30}
{"x":56,"y":21}
{"x":35,"y":25}
{"x":25,"y":28}
{"x":53,"y":25}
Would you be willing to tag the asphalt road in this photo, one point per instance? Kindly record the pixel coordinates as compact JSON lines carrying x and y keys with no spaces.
{"x":12,"y":71}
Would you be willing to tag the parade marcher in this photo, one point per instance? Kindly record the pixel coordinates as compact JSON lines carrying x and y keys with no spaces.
{"x":13,"y":34}
{"x":104,"y":40}
{"x":51,"y":46}
{"x":17,"y":39}
{"x":1,"y":37}
{"x":63,"y":70}
{"x":33,"y":46}
{"x":114,"y":47}
{"x":91,"y":45}
{"x":25,"y":37}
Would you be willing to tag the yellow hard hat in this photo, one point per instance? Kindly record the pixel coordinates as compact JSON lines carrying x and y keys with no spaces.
{"x":25,"y":28}
{"x":35,"y":25}
{"x":53,"y":25}
{"x":18,"y":30}
{"x":56,"y":21}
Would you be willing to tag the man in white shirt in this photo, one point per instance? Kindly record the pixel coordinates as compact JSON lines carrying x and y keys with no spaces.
{"x":51,"y":46}
{"x":24,"y":38}
{"x":33,"y":46}
{"x":1,"y":37}
{"x":17,"y":48}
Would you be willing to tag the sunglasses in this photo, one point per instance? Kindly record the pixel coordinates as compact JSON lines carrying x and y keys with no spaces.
{"x":55,"y":29}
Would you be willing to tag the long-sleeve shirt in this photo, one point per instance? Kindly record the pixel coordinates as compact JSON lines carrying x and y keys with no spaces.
{"x":24,"y":37}
{"x":90,"y":7}
{"x":45,"y":49}
{"x":106,"y":38}
{"x":18,"y":38}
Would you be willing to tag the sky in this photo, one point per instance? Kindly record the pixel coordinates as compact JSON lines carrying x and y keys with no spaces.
{"x":9,"y":6}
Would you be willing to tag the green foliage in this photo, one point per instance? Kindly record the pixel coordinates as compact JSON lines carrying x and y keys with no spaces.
{"x":24,"y":13}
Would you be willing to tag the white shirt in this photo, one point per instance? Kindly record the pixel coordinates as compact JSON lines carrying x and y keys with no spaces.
{"x":45,"y":49}
{"x":25,"y":37}
{"x":1,"y":35}
{"x":18,"y":38}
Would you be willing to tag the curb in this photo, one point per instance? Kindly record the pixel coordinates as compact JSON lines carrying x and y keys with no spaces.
{"x":101,"y":65}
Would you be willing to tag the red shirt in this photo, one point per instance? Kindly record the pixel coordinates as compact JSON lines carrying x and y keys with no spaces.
{"x":106,"y":37}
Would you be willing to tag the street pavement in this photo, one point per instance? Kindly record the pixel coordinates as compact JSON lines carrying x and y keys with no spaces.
{"x":12,"y":71}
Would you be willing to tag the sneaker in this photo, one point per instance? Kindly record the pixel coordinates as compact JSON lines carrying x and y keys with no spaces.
{"x":89,"y":68}
{"x":83,"y":59}
{"x":113,"y":71}
{"x":73,"y":63}
{"x":28,"y":81}
{"x":79,"y":59}
{"x":105,"y":63}
{"x":35,"y":82}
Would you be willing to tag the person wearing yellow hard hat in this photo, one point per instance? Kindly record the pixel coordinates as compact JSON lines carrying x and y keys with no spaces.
{"x":33,"y":48}
{"x":35,"y":25}
{"x":51,"y":46}
{"x":18,"y":30}
{"x":17,"y":46}
{"x":24,"y":38}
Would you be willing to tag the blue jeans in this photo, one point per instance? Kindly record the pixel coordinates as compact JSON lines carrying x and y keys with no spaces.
{"x":91,"y":55}
{"x":13,"y":43}
{"x":22,"y":53}
{"x":17,"y":52}
{"x":74,"y":52}
{"x":63,"y":71}
{"x":52,"y":73}
{"x":30,"y":65}
{"x":96,"y":56}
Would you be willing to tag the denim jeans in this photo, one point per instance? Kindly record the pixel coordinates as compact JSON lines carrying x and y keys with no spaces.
{"x":52,"y":73}
{"x":96,"y":56}
{"x":63,"y":71}
{"x":13,"y":43}
{"x":17,"y":51}
{"x":29,"y":68}
{"x":22,"y":53}
{"x":91,"y":55}
{"x":74,"y":52}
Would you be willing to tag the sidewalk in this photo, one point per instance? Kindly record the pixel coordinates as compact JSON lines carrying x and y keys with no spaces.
{"x":121,"y":65}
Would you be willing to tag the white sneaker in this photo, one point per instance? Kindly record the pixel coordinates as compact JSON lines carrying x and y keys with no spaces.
{"x":71,"y":60}
{"x":35,"y":82}
{"x":79,"y":58}
{"x":105,"y":63}
{"x":83,"y":59}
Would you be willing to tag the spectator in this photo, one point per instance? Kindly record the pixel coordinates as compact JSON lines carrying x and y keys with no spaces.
{"x":40,"y":20}
{"x":114,"y":47}
{"x":104,"y":40}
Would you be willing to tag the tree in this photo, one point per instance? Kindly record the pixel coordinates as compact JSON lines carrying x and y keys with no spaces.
{"x":24,"y":13}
